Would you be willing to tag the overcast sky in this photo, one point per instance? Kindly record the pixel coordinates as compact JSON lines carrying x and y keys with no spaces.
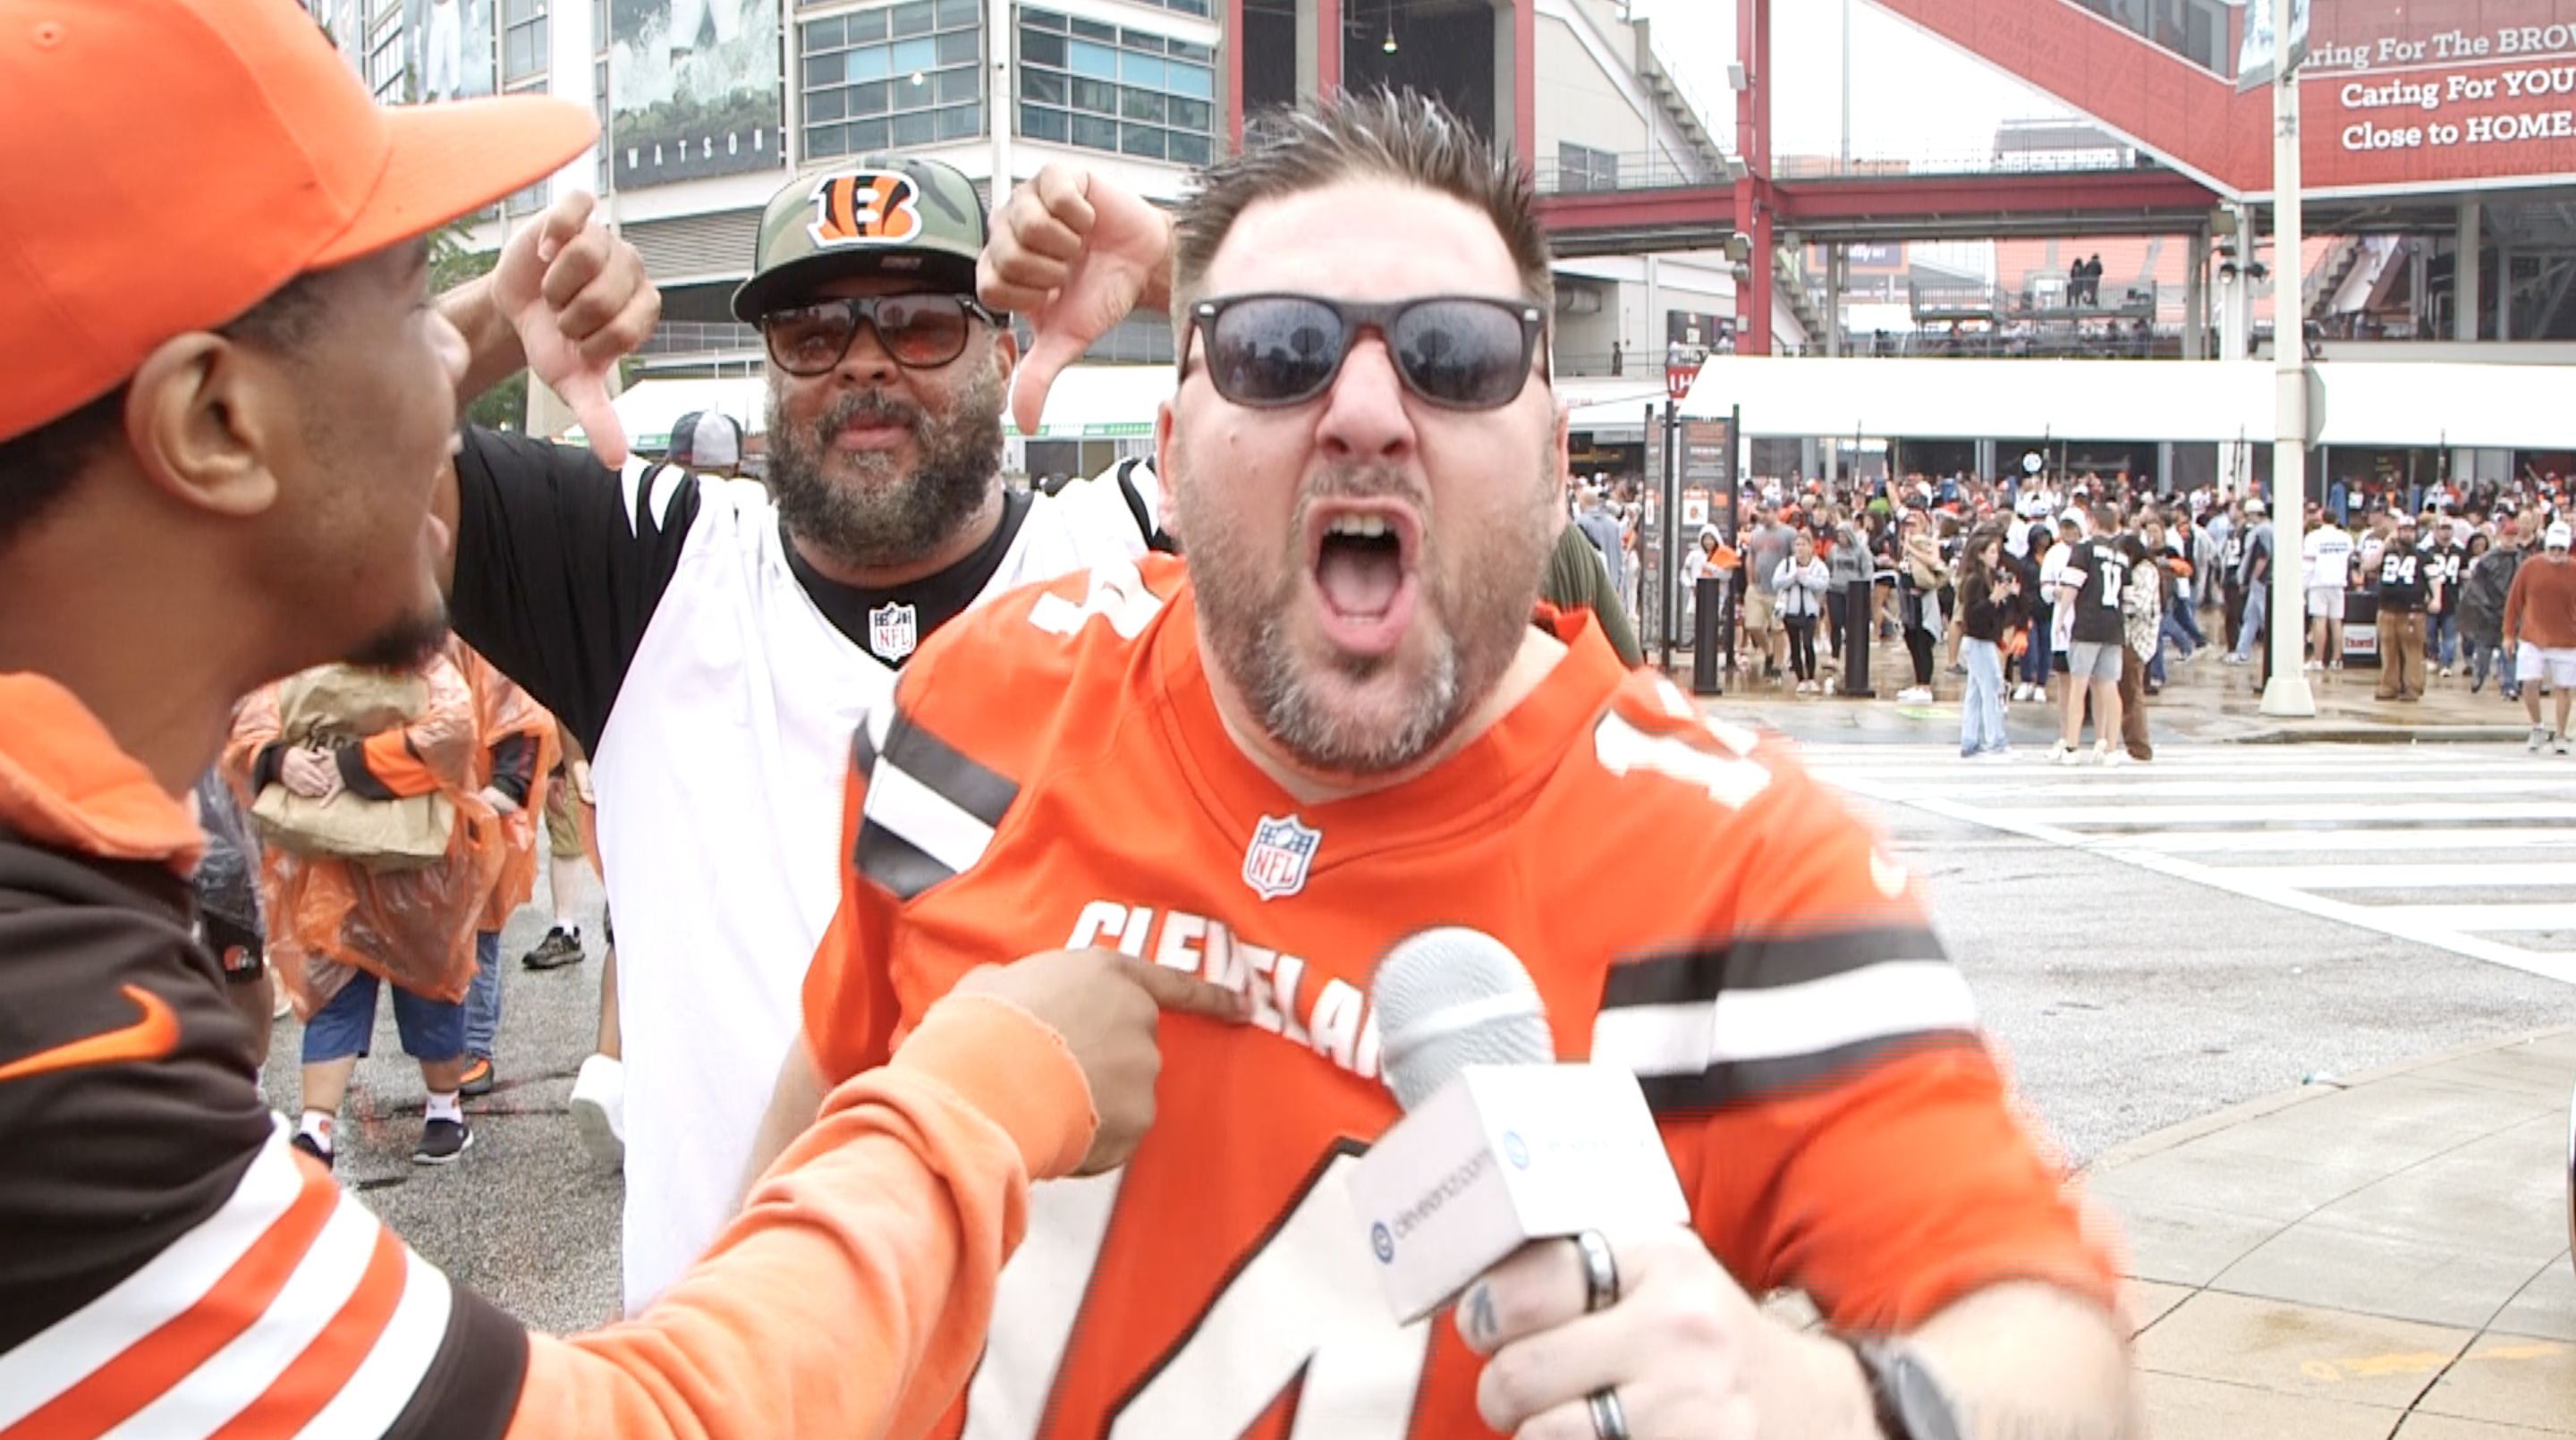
{"x":1912,"y":96}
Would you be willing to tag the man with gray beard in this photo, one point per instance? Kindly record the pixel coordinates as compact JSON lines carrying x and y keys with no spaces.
{"x":713,"y":645}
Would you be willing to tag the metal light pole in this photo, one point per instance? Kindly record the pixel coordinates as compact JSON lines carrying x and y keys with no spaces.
{"x":1677,"y":384}
{"x":2287,"y":692}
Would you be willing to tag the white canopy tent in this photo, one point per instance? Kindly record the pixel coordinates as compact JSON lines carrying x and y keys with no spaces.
{"x":2388,"y":404}
{"x":649,"y":408}
{"x":1087,"y":401}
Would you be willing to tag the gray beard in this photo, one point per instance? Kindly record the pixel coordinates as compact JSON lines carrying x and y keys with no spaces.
{"x":878,"y":516}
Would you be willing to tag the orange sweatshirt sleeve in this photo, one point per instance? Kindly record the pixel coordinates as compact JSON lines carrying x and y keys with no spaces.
{"x":850,"y":1297}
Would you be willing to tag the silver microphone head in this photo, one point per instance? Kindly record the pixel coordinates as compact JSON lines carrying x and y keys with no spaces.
{"x":1453,"y":997}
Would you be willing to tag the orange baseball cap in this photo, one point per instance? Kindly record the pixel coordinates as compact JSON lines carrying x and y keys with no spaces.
{"x":174,"y":162}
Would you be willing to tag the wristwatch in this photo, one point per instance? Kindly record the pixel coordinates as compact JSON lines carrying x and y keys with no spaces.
{"x":1908,"y":1400}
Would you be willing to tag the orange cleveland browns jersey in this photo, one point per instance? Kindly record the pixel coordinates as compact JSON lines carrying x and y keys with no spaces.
{"x":1689,"y":902}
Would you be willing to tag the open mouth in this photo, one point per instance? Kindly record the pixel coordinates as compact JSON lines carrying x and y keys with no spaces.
{"x":1363,"y":573}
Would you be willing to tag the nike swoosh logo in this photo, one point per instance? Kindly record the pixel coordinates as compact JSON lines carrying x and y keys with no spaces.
{"x":150,"y":1038}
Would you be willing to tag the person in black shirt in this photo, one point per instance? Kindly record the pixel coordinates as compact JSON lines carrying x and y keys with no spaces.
{"x":1989,"y":607}
{"x":2450,"y":566}
{"x":2090,"y":588}
{"x":2406,"y":580}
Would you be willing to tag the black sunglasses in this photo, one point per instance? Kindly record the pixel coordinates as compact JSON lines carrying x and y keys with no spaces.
{"x":919,"y":331}
{"x":1461,"y":352}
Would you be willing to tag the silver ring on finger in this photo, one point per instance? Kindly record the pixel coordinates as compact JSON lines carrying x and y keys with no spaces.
{"x":1609,"y":1420}
{"x":1600,"y":1271}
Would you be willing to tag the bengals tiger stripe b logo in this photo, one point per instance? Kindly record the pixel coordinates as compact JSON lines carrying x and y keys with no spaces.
{"x":868,"y":207}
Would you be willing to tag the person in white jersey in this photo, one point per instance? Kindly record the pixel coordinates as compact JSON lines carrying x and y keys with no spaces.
{"x":2326,"y":556}
{"x":713,"y":644}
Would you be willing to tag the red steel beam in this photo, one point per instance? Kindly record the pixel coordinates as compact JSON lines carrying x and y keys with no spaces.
{"x":1822,"y":201}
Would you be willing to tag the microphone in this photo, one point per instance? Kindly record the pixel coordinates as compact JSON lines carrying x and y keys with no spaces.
{"x":1499,"y":1145}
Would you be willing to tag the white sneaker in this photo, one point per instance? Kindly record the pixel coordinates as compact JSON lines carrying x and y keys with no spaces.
{"x":2110,"y":757}
{"x":2062,"y":753}
{"x":2560,"y":745}
{"x":2539,"y":737}
{"x":599,"y":1110}
{"x":1913,"y":695}
{"x":2232,"y":658}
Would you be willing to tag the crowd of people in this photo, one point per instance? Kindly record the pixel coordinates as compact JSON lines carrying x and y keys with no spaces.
{"x":1943,"y":566}
{"x":1013,"y":863}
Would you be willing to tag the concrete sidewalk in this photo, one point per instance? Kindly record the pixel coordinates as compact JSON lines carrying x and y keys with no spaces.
{"x":2204,"y":700}
{"x":2374,"y":1256}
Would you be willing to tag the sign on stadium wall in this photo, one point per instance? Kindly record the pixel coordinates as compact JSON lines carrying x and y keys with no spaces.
{"x":2396,"y":96}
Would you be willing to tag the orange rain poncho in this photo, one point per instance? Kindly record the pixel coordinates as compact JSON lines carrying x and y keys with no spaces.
{"x":501,"y":710}
{"x":414,"y":927}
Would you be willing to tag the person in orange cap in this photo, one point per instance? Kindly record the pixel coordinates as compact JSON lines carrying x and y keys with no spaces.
{"x":230,"y":397}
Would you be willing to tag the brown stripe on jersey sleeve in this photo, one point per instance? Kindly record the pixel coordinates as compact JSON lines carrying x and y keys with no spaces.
{"x":472,"y":1387}
{"x":1757,"y":961}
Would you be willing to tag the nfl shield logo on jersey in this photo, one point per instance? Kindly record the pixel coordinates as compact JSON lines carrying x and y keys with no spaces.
{"x":892,"y":631}
{"x":1276,"y":863}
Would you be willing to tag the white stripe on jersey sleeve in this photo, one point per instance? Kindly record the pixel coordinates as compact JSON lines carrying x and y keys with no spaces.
{"x":243,"y":1370}
{"x":68,"y":1350}
{"x":386,"y":1380}
{"x":929,"y":821}
{"x":1875,"y":1002}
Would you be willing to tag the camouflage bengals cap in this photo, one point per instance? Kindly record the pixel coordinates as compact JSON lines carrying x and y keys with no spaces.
{"x":873,"y":215}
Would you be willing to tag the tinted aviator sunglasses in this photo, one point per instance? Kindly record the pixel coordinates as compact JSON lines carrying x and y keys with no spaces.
{"x":919,"y":331}
{"x":1460,"y":352}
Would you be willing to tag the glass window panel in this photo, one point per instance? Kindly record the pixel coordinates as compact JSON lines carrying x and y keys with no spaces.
{"x":868,"y":135}
{"x":867,"y":25}
{"x":515,"y":59}
{"x":911,"y":55}
{"x":1141,"y":140}
{"x":1184,"y":50}
{"x":826,"y":104}
{"x":961,"y":47}
{"x":968,"y":13}
{"x":1039,"y":48}
{"x":821,"y":140}
{"x":1135,"y":104}
{"x":1095,"y":60}
{"x":1095,"y":133}
{"x":1195,"y":81}
{"x":912,"y":93}
{"x":959,"y":122}
{"x":867,"y":64}
{"x":822,"y":70}
{"x":1192,"y":114}
{"x":514,"y":12}
{"x":914,"y":129}
{"x":1093,"y":30}
{"x":950,"y":86}
{"x":1039,"y":85}
{"x":823,"y":35}
{"x":1189,"y":7}
{"x":1138,"y":69}
{"x":1041,"y":124}
{"x":1097,"y":96}
{"x":1139,"y":40}
{"x":1043,"y":19}
{"x":1190,"y":149}
{"x":915,"y":18}
{"x":869,"y":99}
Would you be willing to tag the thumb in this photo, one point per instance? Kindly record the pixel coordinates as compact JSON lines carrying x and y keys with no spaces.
{"x":1054,"y":348}
{"x":587,"y":394}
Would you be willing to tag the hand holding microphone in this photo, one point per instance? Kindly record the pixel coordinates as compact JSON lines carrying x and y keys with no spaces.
{"x":1541,"y":1196}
